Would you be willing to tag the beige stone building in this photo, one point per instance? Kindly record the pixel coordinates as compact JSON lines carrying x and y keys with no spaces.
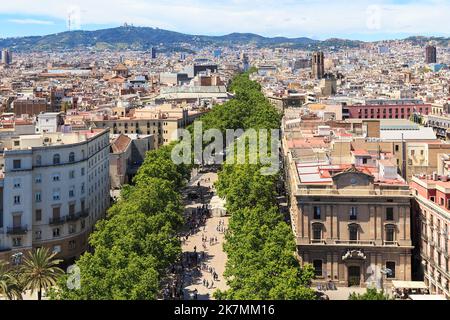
{"x":351,"y":223}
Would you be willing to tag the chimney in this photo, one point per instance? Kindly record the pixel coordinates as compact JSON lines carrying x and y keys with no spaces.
{"x":435,"y":176}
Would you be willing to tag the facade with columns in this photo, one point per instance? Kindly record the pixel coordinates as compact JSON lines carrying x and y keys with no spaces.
{"x":351,"y":223}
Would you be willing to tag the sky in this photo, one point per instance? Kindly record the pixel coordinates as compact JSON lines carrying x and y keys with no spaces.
{"x":317,"y":19}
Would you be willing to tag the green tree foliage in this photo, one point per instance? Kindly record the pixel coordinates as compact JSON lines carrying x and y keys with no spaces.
{"x":370,"y":294}
{"x":260,"y":245}
{"x":40,"y":270}
{"x":138,"y":241}
{"x":9,"y":283}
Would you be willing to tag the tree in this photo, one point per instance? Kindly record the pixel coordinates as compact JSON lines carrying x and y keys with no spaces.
{"x":136,"y":244}
{"x":40,"y":270}
{"x":370,"y":294}
{"x":260,"y":245}
{"x":9,"y":284}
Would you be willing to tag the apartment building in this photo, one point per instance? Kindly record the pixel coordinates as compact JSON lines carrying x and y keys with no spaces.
{"x":54,"y":187}
{"x":161,"y":122}
{"x":385,"y":109}
{"x":432,"y":219}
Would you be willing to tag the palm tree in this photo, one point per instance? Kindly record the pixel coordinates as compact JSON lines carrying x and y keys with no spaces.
{"x":40,"y":270}
{"x":9,"y":284}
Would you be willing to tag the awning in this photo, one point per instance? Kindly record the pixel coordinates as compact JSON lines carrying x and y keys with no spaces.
{"x":409,"y":284}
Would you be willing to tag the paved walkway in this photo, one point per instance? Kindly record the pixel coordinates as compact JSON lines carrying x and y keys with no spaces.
{"x":211,"y":255}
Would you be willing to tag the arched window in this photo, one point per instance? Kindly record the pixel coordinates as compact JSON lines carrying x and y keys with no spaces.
{"x":72,"y":157}
{"x":56,"y":159}
{"x":38,"y":160}
{"x":353,"y":232}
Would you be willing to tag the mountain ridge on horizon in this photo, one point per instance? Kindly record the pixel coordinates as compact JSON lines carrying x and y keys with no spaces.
{"x":143,"y":38}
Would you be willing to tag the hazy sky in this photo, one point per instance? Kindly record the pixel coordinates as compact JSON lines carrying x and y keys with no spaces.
{"x":318,"y":19}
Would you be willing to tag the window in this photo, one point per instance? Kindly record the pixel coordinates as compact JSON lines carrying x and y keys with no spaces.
{"x":72,"y":157}
{"x":17,"y":164}
{"x":353,"y":213}
{"x":72,"y":192}
{"x":83,"y":224}
{"x":397,"y":148}
{"x":38,"y":235}
{"x":38,"y":215}
{"x":72,"y":174}
{"x":390,"y":233}
{"x":317,"y":232}
{"x":317,"y":264}
{"x":16,"y":199}
{"x":56,"y":177}
{"x":391,"y":266}
{"x":432,"y":199}
{"x":71,"y":209}
{"x":17,"y":242}
{"x":353,"y":232}
{"x":56,"y":159}
{"x":56,"y":232}
{"x":37,"y":197}
{"x":389,"y":214}
{"x":56,"y":195}
{"x":72,"y":228}
{"x":316,"y":213}
{"x":72,"y":244}
{"x":17,"y":183}
{"x":38,"y":178}
{"x":82,"y":188}
{"x":38,"y":160}
{"x":82,"y":171}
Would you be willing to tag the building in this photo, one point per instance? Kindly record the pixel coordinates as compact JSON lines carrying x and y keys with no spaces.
{"x":30,"y":106}
{"x":126,"y":156}
{"x":54,"y":187}
{"x":153,"y":52}
{"x":318,"y":65}
{"x":6,"y":57}
{"x":385,"y":109}
{"x":195,"y":69}
{"x":162,"y":122}
{"x":351,"y":221}
{"x":432,"y":221}
{"x":430,"y":54}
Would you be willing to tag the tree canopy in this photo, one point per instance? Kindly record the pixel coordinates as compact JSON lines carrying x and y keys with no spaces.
{"x":260,"y":244}
{"x":137,"y":242}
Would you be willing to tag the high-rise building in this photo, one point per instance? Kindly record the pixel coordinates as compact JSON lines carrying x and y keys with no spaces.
{"x":6,"y":57}
{"x":153,"y":52}
{"x":431,"y":54}
{"x":318,"y":65}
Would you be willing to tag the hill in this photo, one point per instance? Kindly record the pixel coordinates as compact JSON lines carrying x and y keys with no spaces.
{"x":143,"y":38}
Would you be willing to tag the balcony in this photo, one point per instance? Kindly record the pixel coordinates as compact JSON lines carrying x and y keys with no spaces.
{"x":84,"y":213}
{"x":390,"y":243}
{"x":317,"y":241}
{"x":355,"y":242}
{"x":57,"y":221}
{"x":21,"y":230}
{"x":73,"y":217}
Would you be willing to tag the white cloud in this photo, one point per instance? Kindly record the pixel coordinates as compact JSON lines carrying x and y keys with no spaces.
{"x":319,"y":18}
{"x":31,"y":21}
